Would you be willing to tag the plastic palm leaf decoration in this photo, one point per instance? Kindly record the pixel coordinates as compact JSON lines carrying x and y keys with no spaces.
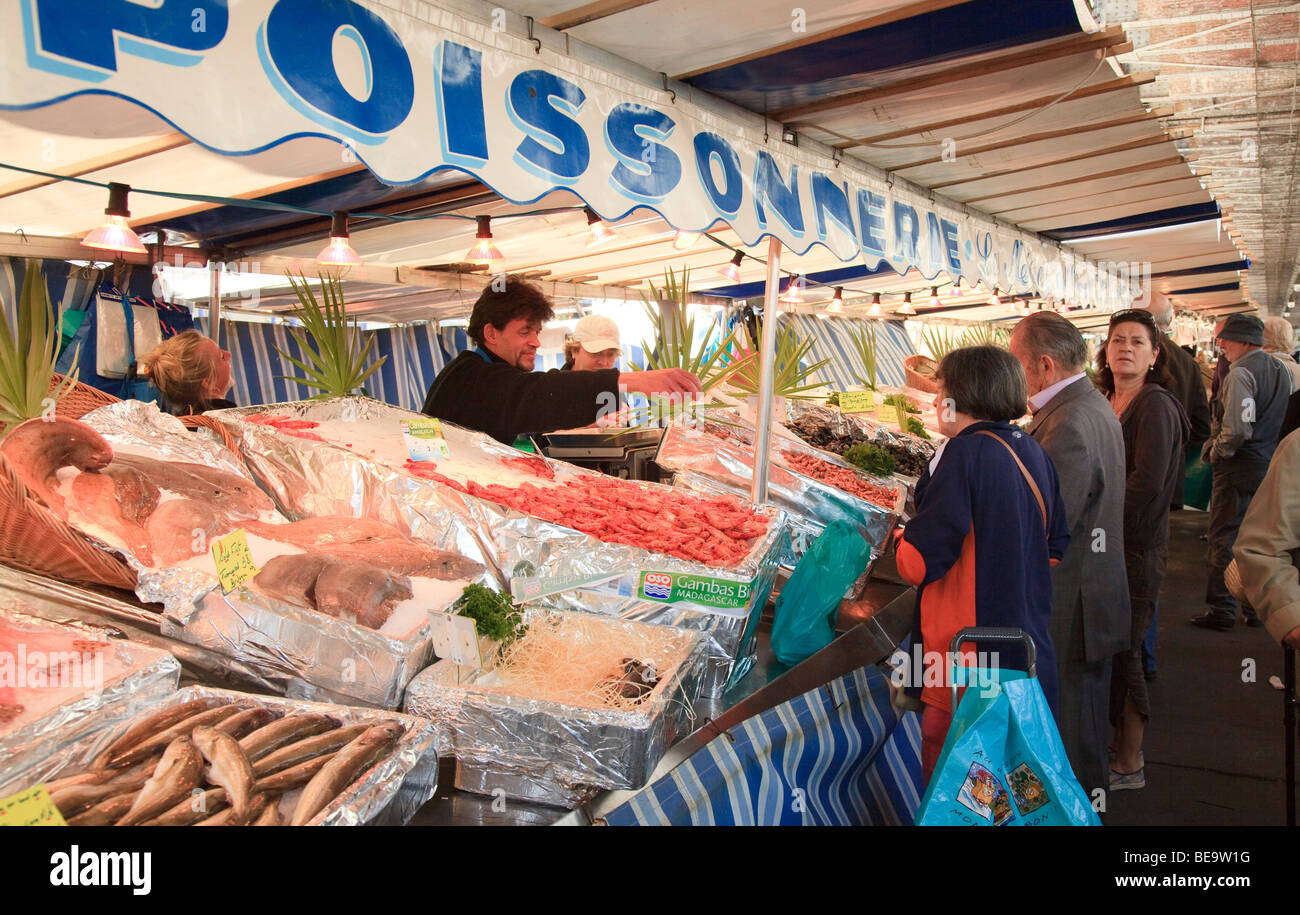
{"x":864,"y":342}
{"x":28,"y":353}
{"x":335,"y":359}
{"x":790,"y":379}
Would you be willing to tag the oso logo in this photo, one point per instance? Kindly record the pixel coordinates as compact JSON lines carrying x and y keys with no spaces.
{"x":658,"y":585}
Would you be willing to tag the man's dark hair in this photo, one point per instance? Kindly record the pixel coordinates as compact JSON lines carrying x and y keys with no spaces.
{"x":984,"y":382}
{"x":500,"y":303}
{"x":1045,"y":333}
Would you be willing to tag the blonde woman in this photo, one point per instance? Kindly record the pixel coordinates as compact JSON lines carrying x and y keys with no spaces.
{"x":1279,"y":341}
{"x":191,"y":371}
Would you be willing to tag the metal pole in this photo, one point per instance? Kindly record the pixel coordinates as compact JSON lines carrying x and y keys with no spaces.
{"x":767,"y":372}
{"x":214,"y":300}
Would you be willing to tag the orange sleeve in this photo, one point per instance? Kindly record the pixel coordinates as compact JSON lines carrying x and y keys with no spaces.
{"x":1053,"y":562}
{"x":911,"y":565}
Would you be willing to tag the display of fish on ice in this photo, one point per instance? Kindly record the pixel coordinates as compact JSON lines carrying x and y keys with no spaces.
{"x":210,"y":762}
{"x":166,"y":512}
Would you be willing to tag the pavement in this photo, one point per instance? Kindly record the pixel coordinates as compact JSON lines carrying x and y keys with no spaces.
{"x":1215,"y":742}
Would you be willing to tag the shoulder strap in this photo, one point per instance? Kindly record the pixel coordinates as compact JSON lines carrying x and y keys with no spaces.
{"x":1033,"y":487}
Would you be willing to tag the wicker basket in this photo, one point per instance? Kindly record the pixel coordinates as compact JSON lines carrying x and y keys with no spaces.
{"x":36,"y":539}
{"x":915,"y":379}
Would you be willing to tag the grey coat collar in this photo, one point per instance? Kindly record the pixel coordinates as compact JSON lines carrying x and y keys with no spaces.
{"x":1068,"y":394}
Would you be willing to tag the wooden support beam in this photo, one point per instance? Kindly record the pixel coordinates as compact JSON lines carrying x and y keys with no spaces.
{"x":1090,"y":196}
{"x":47,"y":247}
{"x":1072,"y":131}
{"x":918,"y":8}
{"x":1158,"y":163}
{"x":1006,"y":60}
{"x":1114,"y":85}
{"x":590,"y":12}
{"x":122,"y":156}
{"x":1124,"y":147}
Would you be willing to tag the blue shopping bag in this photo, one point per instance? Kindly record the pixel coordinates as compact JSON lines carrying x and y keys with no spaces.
{"x":804,"y":620}
{"x":1003,"y":763}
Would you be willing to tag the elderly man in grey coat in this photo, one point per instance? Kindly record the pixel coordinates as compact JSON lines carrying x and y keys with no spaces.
{"x":1091,"y":618}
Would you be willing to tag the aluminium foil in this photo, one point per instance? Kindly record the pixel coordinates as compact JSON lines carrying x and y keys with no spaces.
{"x":549,"y":752}
{"x":299,"y":652}
{"x":389,"y":793}
{"x":60,"y":682}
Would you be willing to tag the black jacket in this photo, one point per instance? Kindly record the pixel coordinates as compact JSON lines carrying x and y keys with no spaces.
{"x":1155,"y":430}
{"x":1189,"y":388}
{"x":479,"y":390}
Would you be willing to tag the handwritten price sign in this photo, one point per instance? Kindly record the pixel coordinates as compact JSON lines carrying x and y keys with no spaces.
{"x":32,"y":807}
{"x":857,"y":401}
{"x":234,"y":561}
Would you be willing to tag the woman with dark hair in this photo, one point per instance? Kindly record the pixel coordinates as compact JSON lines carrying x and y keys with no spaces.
{"x":1132,"y":373}
{"x":989,"y":525}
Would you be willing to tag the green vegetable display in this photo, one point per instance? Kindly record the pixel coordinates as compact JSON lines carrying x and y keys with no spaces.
{"x":913,"y":425}
{"x":903,"y":402}
{"x":494,"y":614}
{"x":871,"y":458}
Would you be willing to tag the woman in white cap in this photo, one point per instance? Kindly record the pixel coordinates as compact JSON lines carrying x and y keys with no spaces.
{"x":593,"y":345}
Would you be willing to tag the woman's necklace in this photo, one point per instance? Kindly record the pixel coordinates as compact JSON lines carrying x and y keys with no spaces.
{"x":1119,"y":402}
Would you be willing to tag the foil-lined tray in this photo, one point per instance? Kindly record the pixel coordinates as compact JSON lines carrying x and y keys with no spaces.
{"x":296,"y":651}
{"x":548,"y":752}
{"x":532,"y":556}
{"x":389,"y":793}
{"x":89,"y":691}
{"x":700,"y":456}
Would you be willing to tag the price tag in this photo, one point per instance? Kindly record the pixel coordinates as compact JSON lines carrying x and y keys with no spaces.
{"x":32,"y":807}
{"x":857,"y":401}
{"x":234,"y":561}
{"x":424,"y":439}
{"x":455,"y":638}
{"x":887,"y":413}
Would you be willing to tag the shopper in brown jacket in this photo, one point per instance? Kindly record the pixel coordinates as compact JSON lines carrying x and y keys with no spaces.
{"x":1268,"y":545}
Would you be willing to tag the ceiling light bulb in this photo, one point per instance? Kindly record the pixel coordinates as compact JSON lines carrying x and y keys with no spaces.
{"x":339,"y":251}
{"x":907,"y":308}
{"x":994,"y":298}
{"x":683,"y":240}
{"x":794,"y":292}
{"x":732,"y":270}
{"x":484,"y":252}
{"x":600,"y":233}
{"x":114,"y":234}
{"x":875,"y":311}
{"x":836,"y":307}
{"x":934,"y":297}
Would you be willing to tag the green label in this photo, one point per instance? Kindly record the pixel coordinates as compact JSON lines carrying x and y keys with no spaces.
{"x":857,"y":401}
{"x":674,"y":587}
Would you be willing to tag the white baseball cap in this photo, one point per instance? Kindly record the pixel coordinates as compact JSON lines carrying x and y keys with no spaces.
{"x":597,"y":333}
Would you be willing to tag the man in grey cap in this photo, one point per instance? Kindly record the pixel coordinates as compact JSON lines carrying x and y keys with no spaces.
{"x":1248,"y":416}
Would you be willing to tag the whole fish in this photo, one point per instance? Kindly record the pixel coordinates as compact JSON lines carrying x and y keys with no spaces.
{"x":271,"y":815}
{"x":91,"y":777}
{"x":344,"y":768}
{"x":304,"y":750}
{"x":152,"y":724}
{"x":227,"y":767}
{"x":286,"y":730}
{"x":152,"y":745}
{"x":106,"y":812}
{"x":37,"y":448}
{"x":294,"y":776}
{"x":228,"y":817}
{"x":198,"y":806}
{"x":73,"y":798}
{"x":177,"y":774}
{"x":248,"y":721}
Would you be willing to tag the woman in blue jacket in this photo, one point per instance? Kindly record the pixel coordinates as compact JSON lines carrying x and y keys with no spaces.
{"x":989,"y":526}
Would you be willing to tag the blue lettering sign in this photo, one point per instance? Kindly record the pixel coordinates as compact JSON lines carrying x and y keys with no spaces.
{"x":297,"y":49}
{"x":907,"y":229}
{"x":935,"y":236}
{"x":830,"y":199}
{"x":647,"y":170}
{"x":783,"y":197}
{"x":94,"y":31}
{"x":462,"y":129}
{"x":544,"y":106}
{"x":951,"y":250}
{"x":871,"y":216}
{"x":709,"y":149}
